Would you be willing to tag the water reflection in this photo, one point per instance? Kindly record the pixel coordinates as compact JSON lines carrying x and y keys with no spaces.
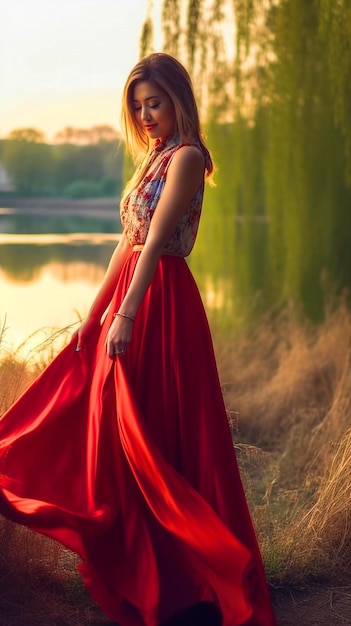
{"x":50,"y":270}
{"x":58,"y":297}
{"x":230,"y":264}
{"x":49,"y":280}
{"x":60,"y":221}
{"x":24,"y":262}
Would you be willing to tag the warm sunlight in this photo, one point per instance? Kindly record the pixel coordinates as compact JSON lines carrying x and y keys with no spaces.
{"x":64,"y":64}
{"x":41,"y":321}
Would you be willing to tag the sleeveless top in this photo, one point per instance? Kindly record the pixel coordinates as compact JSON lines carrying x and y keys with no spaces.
{"x":139,"y":206}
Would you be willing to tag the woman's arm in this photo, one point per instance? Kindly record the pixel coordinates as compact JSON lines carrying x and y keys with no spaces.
{"x":184,"y":177}
{"x":105,"y":293}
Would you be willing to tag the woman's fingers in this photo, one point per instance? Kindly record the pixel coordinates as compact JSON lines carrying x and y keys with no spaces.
{"x":83,"y":332}
{"x":118,"y":337}
{"x":116,"y":346}
{"x":115,"y":349}
{"x":118,"y":351}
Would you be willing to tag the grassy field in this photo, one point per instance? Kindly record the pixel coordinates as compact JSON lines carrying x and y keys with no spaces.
{"x":288,"y":387}
{"x":287,"y":390}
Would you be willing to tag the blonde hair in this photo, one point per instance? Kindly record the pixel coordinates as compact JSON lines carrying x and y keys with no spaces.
{"x":170,"y":76}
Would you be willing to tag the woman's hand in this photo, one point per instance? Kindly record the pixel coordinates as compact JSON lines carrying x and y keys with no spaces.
{"x":119,"y":336}
{"x":87,"y":327}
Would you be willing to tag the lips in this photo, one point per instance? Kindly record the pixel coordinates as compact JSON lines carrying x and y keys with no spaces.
{"x":150,"y":127}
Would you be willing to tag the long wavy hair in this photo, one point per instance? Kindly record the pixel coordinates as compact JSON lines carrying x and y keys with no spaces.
{"x":170,"y":76}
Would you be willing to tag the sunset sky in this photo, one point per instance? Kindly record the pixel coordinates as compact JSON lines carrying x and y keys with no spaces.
{"x":64,"y":63}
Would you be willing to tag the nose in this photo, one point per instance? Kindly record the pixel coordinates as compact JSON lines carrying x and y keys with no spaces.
{"x":145,"y":113}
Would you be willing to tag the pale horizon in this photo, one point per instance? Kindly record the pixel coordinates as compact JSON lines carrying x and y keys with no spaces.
{"x":65,"y":64}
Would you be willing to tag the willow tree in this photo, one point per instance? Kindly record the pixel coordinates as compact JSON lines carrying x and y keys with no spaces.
{"x":273,"y":81}
{"x":171,"y":18}
{"x":147,"y":32}
{"x":335,"y":32}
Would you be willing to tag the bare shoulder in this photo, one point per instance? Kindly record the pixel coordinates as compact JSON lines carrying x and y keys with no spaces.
{"x":190,"y":155}
{"x":188,"y":160}
{"x":184,"y":178}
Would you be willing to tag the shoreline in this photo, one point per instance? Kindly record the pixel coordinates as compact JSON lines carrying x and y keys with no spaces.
{"x":58,"y":206}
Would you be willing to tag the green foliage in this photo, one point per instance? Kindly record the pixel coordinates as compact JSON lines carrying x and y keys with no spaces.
{"x":27,"y":134}
{"x":84,"y":189}
{"x":278,"y":117}
{"x":29,"y":164}
{"x":193,"y":25}
{"x":103,"y":133}
{"x":146,"y":37}
{"x":71,"y":169}
{"x":245,"y":11}
{"x":91,"y":188}
{"x":111,"y":187}
{"x":171,"y":26}
{"x":67,"y":164}
{"x":335,"y":31}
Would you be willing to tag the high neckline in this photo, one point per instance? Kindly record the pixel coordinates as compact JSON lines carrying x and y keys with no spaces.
{"x":161,"y":144}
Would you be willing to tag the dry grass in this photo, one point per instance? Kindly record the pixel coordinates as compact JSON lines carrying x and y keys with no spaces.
{"x":20,"y":367}
{"x":290,"y":384}
{"x":287,"y":389}
{"x":39,"y":583}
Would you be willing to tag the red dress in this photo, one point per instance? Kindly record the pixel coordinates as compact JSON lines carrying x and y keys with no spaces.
{"x":130,"y":463}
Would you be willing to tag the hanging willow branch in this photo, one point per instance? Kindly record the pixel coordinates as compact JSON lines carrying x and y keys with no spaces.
{"x":171,"y":26}
{"x":335,"y":31}
{"x":147,"y":33}
{"x":244,"y":16}
{"x":194,"y":21}
{"x":146,"y":38}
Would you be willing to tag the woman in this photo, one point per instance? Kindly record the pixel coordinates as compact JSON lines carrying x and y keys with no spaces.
{"x":121,"y":449}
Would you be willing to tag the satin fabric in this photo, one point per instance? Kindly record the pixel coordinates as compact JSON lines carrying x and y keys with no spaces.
{"x":129,"y":462}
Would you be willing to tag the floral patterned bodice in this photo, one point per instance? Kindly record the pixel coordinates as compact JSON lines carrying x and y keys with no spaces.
{"x":140,"y":204}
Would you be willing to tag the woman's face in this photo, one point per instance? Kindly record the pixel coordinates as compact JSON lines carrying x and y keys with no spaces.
{"x":153,"y":110}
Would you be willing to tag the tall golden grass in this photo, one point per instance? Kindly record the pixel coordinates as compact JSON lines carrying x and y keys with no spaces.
{"x":39,"y":581}
{"x":287,"y":388}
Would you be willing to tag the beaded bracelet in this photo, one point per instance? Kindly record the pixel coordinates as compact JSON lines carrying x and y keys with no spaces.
{"x":128,"y":317}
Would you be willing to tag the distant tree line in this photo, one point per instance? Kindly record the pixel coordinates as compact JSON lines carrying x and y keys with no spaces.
{"x":80,"y":163}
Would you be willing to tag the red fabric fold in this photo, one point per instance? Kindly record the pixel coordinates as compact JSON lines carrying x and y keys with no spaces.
{"x":130,"y":463}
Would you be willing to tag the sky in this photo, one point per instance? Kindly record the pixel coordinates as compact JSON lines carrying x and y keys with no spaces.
{"x":64,"y":62}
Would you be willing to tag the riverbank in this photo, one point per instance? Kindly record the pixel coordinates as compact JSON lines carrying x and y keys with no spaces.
{"x":286,"y":386}
{"x":57,"y":206}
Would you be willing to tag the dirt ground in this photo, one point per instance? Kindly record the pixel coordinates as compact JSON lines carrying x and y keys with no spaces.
{"x":316,"y":605}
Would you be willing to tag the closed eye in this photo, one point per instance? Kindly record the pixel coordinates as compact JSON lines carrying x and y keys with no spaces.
{"x":151,"y":106}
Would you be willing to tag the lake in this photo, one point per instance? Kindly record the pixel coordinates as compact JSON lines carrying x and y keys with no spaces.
{"x":52,"y":262}
{"x":51,"y":266}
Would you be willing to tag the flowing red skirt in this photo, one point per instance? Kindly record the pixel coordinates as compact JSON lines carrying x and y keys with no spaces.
{"x":130,"y":464}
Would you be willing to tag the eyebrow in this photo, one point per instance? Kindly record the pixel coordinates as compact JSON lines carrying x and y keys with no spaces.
{"x":148,"y":98}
